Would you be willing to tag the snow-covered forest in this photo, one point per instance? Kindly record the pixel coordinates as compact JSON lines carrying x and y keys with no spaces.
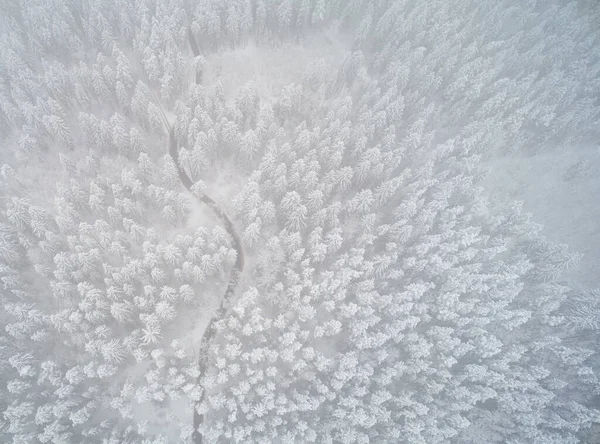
{"x":300,"y":221}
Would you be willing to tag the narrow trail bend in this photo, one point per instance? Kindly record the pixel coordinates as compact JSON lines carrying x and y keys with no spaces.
{"x":238,"y":267}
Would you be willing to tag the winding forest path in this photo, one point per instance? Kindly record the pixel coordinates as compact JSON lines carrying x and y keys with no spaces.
{"x":238,"y":268}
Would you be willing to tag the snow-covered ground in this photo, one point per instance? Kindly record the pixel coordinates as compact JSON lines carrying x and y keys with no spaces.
{"x":561,"y":188}
{"x":273,"y":67}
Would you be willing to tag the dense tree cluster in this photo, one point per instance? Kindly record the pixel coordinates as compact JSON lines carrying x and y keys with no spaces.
{"x":100,"y":291}
{"x":383,"y":299}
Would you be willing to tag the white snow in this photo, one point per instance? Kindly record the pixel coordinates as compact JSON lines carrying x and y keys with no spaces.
{"x":272,"y":67}
{"x":561,"y":188}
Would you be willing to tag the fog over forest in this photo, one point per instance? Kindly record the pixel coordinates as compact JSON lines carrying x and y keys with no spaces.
{"x":299,"y":221}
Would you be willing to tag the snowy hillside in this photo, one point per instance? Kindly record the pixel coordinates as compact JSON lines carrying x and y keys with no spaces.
{"x":299,"y":221}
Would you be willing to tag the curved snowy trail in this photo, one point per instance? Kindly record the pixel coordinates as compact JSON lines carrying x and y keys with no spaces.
{"x":235,"y":272}
{"x":237,"y":244}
